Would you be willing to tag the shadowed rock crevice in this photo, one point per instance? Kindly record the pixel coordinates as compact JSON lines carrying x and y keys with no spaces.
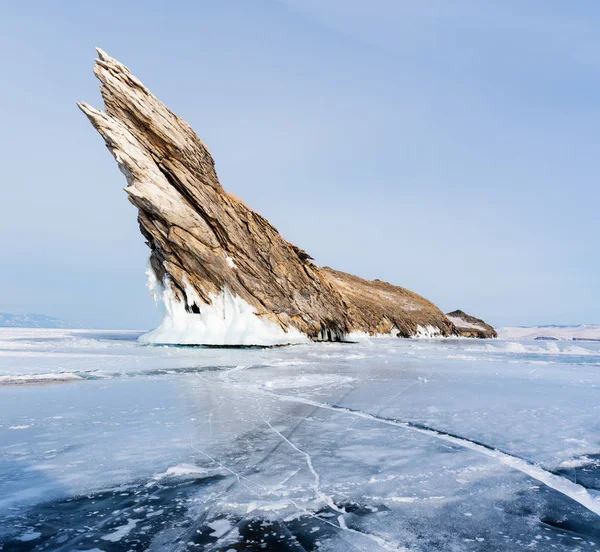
{"x":206,"y":245}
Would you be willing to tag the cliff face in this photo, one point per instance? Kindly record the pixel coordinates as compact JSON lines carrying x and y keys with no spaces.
{"x":208,"y":248}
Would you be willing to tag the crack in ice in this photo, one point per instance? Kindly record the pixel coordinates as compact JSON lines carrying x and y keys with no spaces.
{"x":225,"y":376}
{"x":320,"y":496}
{"x":575,"y":491}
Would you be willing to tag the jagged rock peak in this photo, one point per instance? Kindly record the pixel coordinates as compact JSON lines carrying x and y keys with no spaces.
{"x":225,"y":273}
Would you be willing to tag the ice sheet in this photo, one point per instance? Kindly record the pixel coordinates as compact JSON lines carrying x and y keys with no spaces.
{"x":384,"y":444}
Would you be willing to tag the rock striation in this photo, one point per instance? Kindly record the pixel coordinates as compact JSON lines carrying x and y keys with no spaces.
{"x":224,"y":272}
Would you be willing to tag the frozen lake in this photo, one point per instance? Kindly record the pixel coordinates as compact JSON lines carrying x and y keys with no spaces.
{"x":385,"y":444}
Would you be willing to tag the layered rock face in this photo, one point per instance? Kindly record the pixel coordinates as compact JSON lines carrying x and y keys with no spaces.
{"x":223,"y":269}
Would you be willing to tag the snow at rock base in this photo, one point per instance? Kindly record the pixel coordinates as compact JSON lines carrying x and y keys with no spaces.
{"x":228,"y":320}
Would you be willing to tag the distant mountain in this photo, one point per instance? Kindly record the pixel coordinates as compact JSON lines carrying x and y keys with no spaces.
{"x":584,"y":332}
{"x":31,"y":321}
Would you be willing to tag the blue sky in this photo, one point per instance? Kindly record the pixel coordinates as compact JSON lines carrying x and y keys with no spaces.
{"x":448,"y":147}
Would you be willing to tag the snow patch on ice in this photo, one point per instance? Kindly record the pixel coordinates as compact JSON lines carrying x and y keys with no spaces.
{"x":290,"y":362}
{"x":219,"y":527}
{"x":576,"y":462}
{"x":38,"y":378}
{"x":122,"y":531}
{"x":304,"y":380}
{"x":29,"y":536}
{"x":181,"y":470}
{"x":568,"y":333}
{"x":401,"y":498}
{"x":228,"y":320}
{"x":548,"y":348}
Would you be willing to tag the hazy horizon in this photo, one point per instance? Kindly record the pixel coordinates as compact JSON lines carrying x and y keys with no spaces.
{"x":448,"y":149}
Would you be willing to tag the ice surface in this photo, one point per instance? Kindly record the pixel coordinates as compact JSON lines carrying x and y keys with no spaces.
{"x":383,"y":444}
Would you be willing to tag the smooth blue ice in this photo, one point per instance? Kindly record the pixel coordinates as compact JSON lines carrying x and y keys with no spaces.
{"x":384,"y":444}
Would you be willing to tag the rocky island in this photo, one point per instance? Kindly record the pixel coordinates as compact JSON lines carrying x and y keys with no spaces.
{"x":469,"y":326}
{"x":224,"y":273}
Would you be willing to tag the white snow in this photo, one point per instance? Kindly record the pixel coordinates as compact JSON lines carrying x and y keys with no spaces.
{"x":558,"y":332}
{"x":219,"y":527}
{"x":38,"y":378}
{"x":230,"y":262}
{"x":460,"y":323}
{"x":182,"y":470}
{"x":427,"y":332}
{"x":29,"y":535}
{"x":122,"y":531}
{"x":545,"y":348}
{"x":308,"y":380}
{"x":228,"y":320}
{"x":153,"y":285}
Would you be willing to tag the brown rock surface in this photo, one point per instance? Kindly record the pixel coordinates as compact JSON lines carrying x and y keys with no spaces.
{"x":469,"y":326}
{"x":380,"y":308}
{"x":206,"y":240}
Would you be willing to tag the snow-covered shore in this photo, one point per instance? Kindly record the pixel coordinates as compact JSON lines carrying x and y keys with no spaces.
{"x":568,"y":333}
